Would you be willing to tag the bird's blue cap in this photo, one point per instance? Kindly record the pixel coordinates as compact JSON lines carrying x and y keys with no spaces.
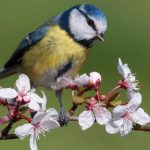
{"x":90,"y":10}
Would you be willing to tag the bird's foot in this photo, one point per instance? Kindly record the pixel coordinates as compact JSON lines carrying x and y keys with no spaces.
{"x":63,"y":117}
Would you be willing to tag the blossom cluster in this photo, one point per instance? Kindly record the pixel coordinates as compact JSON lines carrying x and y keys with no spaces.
{"x":104,"y":109}
{"x":24,"y":99}
{"x":123,"y":116}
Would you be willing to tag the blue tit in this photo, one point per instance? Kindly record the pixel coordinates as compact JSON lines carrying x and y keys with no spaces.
{"x":58,"y":48}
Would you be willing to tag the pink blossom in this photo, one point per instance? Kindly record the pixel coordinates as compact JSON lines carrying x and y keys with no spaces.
{"x":124,"y":116}
{"x":95,"y":112}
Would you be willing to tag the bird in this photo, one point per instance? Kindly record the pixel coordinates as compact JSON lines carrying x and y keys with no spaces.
{"x":58,"y":48}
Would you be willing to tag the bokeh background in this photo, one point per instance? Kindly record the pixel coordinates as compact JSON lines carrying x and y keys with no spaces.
{"x":128,"y":37}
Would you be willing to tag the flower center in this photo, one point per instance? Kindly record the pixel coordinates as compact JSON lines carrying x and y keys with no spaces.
{"x":125,"y":115}
{"x":23,"y":97}
{"x":91,"y":104}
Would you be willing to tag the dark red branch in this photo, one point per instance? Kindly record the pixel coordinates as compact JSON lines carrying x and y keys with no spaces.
{"x":141,"y":128}
{"x":9,"y":137}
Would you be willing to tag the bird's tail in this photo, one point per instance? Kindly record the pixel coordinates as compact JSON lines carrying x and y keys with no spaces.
{"x":8,"y":71}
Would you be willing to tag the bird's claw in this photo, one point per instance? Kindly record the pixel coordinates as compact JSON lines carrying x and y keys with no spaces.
{"x":63,"y":117}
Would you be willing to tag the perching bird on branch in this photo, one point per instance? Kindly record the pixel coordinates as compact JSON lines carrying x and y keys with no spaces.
{"x":58,"y":48}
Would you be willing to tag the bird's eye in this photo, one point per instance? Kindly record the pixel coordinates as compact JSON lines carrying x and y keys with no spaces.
{"x":90,"y":22}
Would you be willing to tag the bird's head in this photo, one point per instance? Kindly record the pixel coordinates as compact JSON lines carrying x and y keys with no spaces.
{"x":85,"y":23}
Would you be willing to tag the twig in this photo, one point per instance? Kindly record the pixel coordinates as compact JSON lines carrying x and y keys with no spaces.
{"x":79,"y":93}
{"x":73,"y":109}
{"x":9,"y":137}
{"x":87,"y":88}
{"x":6,"y":130}
{"x":75,"y":118}
{"x":141,"y":128}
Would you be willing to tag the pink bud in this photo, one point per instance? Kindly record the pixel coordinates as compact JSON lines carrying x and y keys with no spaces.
{"x":95,"y":79}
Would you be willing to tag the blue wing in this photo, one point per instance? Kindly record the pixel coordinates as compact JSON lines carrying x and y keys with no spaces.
{"x":31,"y":39}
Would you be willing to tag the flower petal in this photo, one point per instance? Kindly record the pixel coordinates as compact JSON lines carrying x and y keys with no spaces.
{"x":44,"y":102}
{"x":126,"y":127}
{"x":49,"y":123}
{"x":111,"y":128}
{"x":24,"y":130}
{"x":118,"y":122}
{"x":86,"y":119}
{"x":123,"y":69}
{"x":38,"y":117}
{"x":140,"y":117}
{"x":8,"y":93}
{"x":23,"y":83}
{"x":62,"y":83}
{"x":81,"y":80}
{"x":130,"y":93}
{"x":33,"y":106}
{"x":53,"y":113}
{"x":135,"y":102}
{"x":120,"y":110}
{"x":33,"y":145}
{"x":102,"y":116}
{"x":35,"y":98}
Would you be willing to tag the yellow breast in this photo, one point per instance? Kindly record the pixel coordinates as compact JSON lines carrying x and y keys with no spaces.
{"x":56,"y":48}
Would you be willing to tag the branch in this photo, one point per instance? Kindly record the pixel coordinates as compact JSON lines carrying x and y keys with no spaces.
{"x":6,"y":130}
{"x":138,"y":127}
{"x":9,"y":137}
{"x":5,"y":136}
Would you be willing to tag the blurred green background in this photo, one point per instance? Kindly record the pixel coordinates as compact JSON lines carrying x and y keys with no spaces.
{"x":127,"y":37}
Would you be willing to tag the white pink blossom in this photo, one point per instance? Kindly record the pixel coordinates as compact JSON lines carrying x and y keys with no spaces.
{"x":95,"y":112}
{"x":80,"y":80}
{"x":129,"y":81}
{"x":41,"y":123}
{"x":124,"y":116}
{"x":23,"y":94}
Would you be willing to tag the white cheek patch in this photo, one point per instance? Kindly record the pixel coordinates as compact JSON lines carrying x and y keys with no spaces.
{"x":79,"y":27}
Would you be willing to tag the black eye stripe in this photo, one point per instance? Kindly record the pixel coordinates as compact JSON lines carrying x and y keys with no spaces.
{"x":88,"y":20}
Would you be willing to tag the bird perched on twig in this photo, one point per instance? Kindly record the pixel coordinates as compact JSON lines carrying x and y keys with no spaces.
{"x":58,"y":48}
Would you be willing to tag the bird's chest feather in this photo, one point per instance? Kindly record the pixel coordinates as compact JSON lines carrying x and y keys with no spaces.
{"x":57,"y":54}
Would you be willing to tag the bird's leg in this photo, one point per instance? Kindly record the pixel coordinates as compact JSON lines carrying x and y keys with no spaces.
{"x":62,"y":114}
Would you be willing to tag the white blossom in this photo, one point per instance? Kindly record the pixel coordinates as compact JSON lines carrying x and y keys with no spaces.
{"x":22,"y":94}
{"x":124,"y":116}
{"x":129,"y":80}
{"x":95,"y":112}
{"x":79,"y":80}
{"x":41,"y":123}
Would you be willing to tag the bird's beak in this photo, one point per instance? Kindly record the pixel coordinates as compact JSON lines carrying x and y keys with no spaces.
{"x":101,"y":37}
